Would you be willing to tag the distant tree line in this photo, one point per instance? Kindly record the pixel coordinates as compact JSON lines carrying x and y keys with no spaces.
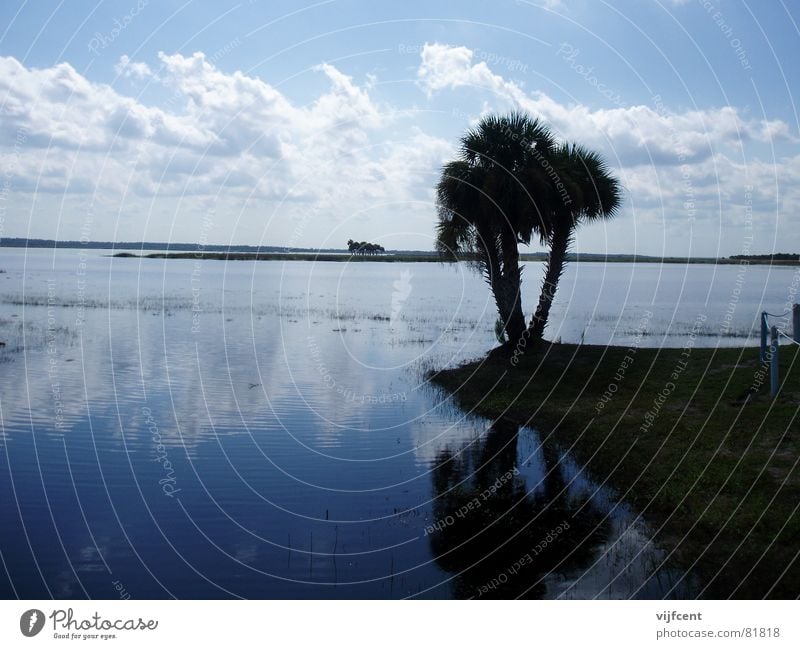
{"x":364,"y":248}
{"x":21,"y":242}
{"x":778,"y":256}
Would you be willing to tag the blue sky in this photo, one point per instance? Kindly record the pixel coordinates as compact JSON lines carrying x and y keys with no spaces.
{"x":305,"y":124}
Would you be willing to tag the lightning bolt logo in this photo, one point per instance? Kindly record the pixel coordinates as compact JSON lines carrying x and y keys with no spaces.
{"x":31,"y":622}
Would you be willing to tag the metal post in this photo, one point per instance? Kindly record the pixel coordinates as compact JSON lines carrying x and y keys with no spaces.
{"x":774,"y":379}
{"x":763,"y":353}
{"x":796,"y":322}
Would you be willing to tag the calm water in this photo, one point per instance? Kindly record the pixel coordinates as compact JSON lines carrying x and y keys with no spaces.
{"x":202,"y":429}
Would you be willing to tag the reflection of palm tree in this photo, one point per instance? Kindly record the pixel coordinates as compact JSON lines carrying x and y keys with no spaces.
{"x":487,"y":525}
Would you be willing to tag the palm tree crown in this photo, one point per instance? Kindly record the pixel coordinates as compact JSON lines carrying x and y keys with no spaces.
{"x":513,"y":182}
{"x":489,"y":202}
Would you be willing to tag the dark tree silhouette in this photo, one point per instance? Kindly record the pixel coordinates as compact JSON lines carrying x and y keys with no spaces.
{"x":513,"y":183}
{"x":591,"y":194}
{"x":495,"y":532}
{"x":491,"y":199}
{"x":364,"y":248}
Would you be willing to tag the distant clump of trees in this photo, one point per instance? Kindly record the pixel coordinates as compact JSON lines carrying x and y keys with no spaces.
{"x":778,"y":256}
{"x":364,"y":248}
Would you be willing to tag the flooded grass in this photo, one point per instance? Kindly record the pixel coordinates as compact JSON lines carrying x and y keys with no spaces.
{"x":704,"y":453}
{"x":703,"y":331}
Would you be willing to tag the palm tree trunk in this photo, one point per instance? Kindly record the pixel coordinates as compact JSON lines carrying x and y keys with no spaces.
{"x":515,"y":320}
{"x":559,"y":245}
{"x":501,"y":267}
{"x":493,"y":274}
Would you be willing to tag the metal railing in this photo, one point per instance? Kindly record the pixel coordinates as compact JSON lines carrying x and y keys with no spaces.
{"x":771,"y":355}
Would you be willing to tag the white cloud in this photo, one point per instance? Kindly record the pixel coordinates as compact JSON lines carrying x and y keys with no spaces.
{"x":295,"y":173}
{"x":633,"y":135}
{"x":218,"y":134}
{"x":678,"y":167}
{"x":129,"y":69}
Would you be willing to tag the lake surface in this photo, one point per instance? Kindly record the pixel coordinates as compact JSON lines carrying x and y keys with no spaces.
{"x":193,"y":429}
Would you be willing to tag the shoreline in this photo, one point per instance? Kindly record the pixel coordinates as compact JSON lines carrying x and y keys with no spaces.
{"x":691,"y":439}
{"x":241,"y":252}
{"x":425,"y":258}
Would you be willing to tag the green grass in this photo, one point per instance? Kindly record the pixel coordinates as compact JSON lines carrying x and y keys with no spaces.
{"x":715,"y":473}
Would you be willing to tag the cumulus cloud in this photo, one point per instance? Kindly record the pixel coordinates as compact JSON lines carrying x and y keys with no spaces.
{"x":678,"y":166}
{"x":219,"y":134}
{"x":215,"y":125}
{"x":234,"y":137}
{"x":642,"y":134}
{"x":130,"y":69}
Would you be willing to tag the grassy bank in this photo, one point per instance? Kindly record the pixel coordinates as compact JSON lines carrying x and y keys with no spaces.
{"x":688,"y":437}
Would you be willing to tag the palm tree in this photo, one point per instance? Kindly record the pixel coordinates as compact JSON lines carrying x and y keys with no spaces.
{"x":494,"y":197}
{"x":588,"y":193}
